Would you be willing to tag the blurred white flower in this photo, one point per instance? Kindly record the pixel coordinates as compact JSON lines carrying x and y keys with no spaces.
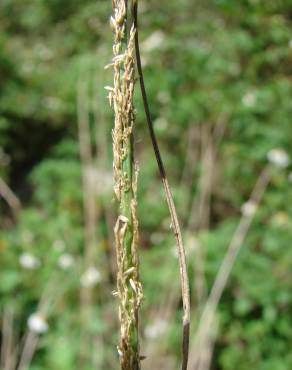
{"x":156,"y":329}
{"x":248,"y":208}
{"x":90,"y":277}
{"x":249,"y":99}
{"x":37,"y":323}
{"x":65,"y":261}
{"x":279,"y":158}
{"x":29,"y":261}
{"x":163,"y":97}
{"x":154,"y":41}
{"x":161,"y":123}
{"x":59,"y":245}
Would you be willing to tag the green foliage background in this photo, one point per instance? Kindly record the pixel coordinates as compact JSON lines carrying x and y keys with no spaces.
{"x":218,"y":60}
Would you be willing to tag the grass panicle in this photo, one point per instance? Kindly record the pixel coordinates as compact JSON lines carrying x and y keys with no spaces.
{"x":129,"y":289}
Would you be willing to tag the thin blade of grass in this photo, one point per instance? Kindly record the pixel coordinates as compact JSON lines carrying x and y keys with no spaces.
{"x":169,"y":199}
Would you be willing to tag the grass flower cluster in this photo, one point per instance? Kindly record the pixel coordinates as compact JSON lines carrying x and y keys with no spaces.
{"x":125,"y":171}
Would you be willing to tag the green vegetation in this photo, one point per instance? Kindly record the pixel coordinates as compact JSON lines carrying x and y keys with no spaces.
{"x":218,"y":75}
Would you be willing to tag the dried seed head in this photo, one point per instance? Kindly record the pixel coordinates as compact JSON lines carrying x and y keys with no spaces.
{"x":129,"y":289}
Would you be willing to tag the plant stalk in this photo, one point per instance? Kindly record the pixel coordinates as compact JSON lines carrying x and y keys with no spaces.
{"x":129,"y":289}
{"x":169,"y":199}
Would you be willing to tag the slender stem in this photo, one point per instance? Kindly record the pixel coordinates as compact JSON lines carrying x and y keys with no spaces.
{"x":7,"y":194}
{"x":169,"y":199}
{"x":90,"y":210}
{"x":208,"y":316}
